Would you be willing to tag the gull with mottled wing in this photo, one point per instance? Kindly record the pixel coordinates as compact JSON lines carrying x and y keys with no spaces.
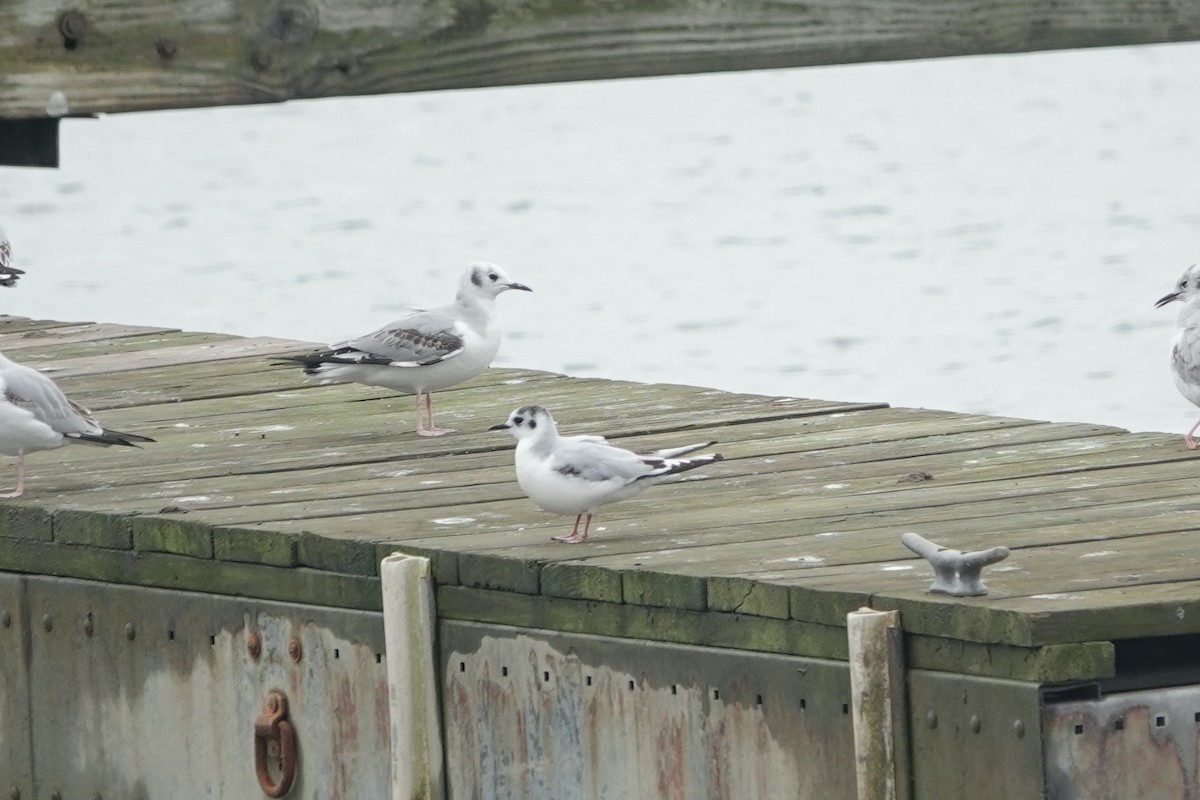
{"x":577,"y":474}
{"x":36,"y":415}
{"x":1185,"y":347}
{"x":427,"y":349}
{"x":8,"y":270}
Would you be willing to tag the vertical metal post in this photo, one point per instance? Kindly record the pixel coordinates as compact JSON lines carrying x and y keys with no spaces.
{"x":409,"y":617}
{"x":878,"y":702}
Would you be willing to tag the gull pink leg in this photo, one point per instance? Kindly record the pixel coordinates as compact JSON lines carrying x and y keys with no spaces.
{"x":1187,"y":437}
{"x":575,"y":536}
{"x":432,"y":430}
{"x":20,"y":490}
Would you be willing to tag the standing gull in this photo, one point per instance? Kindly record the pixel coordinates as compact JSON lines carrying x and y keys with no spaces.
{"x":35,"y":415}
{"x":425,"y":350}
{"x":1185,"y":347}
{"x":8,"y":272}
{"x":577,"y":474}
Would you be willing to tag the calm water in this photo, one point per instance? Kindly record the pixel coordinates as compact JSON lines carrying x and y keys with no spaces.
{"x":983,"y":234}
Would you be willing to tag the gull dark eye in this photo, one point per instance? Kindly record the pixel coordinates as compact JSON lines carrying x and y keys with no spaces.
{"x":492,"y":277}
{"x":518,"y":420}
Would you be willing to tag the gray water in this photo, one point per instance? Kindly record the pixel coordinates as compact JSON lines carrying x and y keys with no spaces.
{"x":984,"y":234}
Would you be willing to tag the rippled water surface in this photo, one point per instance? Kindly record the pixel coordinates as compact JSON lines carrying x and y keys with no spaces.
{"x":985,"y":234}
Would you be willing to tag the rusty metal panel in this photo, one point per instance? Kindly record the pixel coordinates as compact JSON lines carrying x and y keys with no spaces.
{"x":535,"y":714}
{"x":16,"y":754}
{"x":146,"y":693}
{"x":972,"y":737}
{"x":1130,"y":745}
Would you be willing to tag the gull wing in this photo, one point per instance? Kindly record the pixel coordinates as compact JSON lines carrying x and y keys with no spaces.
{"x":418,"y":339}
{"x":27,"y":388}
{"x":1185,"y":357}
{"x":597,"y":462}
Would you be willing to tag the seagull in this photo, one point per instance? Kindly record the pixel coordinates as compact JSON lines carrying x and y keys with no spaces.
{"x":425,"y":350}
{"x":35,"y":415}
{"x":8,"y":273}
{"x":1185,"y":347}
{"x":577,"y":474}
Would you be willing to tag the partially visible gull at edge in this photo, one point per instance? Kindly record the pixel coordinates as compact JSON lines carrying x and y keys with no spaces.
{"x":8,"y":270}
{"x":36,"y":415}
{"x":578,"y":474}
{"x":1185,"y":347}
{"x":425,"y":350}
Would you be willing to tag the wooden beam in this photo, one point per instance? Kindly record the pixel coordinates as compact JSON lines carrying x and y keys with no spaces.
{"x":127,"y":55}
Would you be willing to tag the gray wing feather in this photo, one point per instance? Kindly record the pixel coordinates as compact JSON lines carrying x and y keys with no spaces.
{"x":1186,"y":358}
{"x":32,"y":390}
{"x":423,"y":337}
{"x":598,"y":462}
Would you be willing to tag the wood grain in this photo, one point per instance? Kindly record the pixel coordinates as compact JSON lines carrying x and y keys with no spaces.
{"x":129,"y":55}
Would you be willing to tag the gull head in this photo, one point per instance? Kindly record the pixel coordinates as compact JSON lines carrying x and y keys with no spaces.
{"x":484,"y":279}
{"x":1187,"y":287}
{"x":527,"y":422}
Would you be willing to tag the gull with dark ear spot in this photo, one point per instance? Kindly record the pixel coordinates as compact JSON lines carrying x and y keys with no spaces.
{"x":8,"y":270}
{"x":35,"y":415}
{"x":1185,"y":347}
{"x":578,"y":474}
{"x":425,"y":350}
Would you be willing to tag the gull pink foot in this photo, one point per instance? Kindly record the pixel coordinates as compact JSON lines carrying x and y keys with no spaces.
{"x":434,"y":431}
{"x":1190,"y":442}
{"x":575,"y":537}
{"x":14,"y":493}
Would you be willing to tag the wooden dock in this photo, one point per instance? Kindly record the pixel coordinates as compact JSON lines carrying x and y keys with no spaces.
{"x":264,"y":487}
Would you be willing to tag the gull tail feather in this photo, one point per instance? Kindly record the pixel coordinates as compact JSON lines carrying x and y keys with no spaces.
{"x":676,"y":452}
{"x":107,"y":437}
{"x":674,"y":466}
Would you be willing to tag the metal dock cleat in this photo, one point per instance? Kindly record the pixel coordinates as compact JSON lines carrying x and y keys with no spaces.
{"x":955,"y":572}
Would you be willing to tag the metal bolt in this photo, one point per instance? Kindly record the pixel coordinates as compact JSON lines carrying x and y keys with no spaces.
{"x":253,"y":644}
{"x":47,"y":623}
{"x":72,"y":26}
{"x":14,"y":793}
{"x":260,"y":60}
{"x":56,"y":796}
{"x":6,"y":619}
{"x":97,"y":796}
{"x":89,"y":627}
{"x":1019,"y":729}
{"x":165,"y":47}
{"x":294,"y":649}
{"x":130,"y":631}
{"x":976,"y":723}
{"x":931,"y":718}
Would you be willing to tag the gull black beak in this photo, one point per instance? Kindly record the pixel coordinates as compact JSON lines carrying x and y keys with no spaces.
{"x":503,"y":426}
{"x":1172,"y":297}
{"x":520,"y":286}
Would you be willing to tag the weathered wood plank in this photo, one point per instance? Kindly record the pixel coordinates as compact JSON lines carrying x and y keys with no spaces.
{"x":115,"y":55}
{"x":166,"y":356}
{"x":88,"y":332}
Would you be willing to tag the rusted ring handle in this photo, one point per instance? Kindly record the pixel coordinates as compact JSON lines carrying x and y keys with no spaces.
{"x":272,"y":726}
